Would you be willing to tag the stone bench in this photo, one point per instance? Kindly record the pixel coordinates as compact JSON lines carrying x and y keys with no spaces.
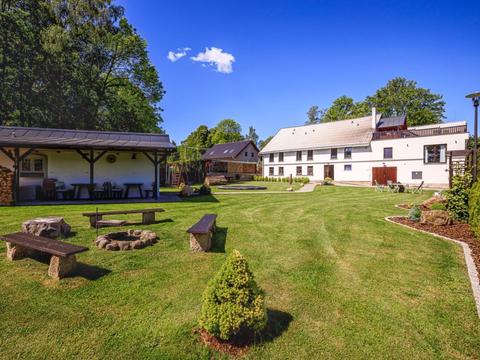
{"x":62,"y":261}
{"x":201,"y":233}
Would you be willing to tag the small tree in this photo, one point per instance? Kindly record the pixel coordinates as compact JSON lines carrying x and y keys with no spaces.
{"x":457,"y":196}
{"x":233,"y":304}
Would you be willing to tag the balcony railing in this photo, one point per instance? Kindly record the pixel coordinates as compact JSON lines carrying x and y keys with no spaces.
{"x":382,"y":135}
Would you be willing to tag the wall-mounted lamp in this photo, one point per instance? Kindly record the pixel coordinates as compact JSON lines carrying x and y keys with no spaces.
{"x":134,"y":156}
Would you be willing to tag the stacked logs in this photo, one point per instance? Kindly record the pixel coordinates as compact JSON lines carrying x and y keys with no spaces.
{"x":6,"y":186}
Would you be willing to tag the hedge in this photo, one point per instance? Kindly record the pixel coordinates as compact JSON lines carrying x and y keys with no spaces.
{"x":474,"y":208}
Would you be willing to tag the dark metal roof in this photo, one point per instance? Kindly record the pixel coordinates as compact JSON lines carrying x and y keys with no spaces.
{"x":81,"y":139}
{"x":227,"y":151}
{"x":395,"y":121}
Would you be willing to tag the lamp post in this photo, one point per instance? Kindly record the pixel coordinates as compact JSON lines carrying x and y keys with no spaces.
{"x":476,"y":100}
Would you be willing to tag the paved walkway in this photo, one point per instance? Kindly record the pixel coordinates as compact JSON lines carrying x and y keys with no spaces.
{"x":308,"y":187}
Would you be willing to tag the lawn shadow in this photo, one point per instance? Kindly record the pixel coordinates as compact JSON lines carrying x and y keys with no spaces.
{"x":90,"y":272}
{"x":277,"y":323}
{"x":201,"y":198}
{"x":138,"y":223}
{"x":219,"y":239}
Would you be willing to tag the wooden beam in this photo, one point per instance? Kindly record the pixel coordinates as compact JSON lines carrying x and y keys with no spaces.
{"x":28,"y":152}
{"x":92,"y":169}
{"x":8,"y":153}
{"x":149,"y":157}
{"x":100,"y":156}
{"x":155,"y":183}
{"x":16,"y":184}
{"x":83,"y":155}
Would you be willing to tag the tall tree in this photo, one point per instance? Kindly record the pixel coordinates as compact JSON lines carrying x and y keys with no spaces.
{"x":402,"y":97}
{"x":252,"y":135}
{"x":263,"y":143}
{"x":315,"y":115}
{"x":227,"y":130}
{"x":75,"y":64}
{"x":344,"y":108}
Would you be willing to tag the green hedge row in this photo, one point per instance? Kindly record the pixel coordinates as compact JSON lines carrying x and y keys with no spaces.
{"x":303,"y":180}
{"x":474,"y":208}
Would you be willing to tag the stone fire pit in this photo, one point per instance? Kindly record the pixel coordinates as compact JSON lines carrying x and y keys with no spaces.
{"x":126,"y":240}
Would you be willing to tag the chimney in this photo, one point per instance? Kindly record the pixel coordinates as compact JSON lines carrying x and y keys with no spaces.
{"x":374,"y":118}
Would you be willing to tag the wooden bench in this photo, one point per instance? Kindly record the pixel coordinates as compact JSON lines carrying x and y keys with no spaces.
{"x":201,"y":233}
{"x":62,"y":262}
{"x":148,"y":215}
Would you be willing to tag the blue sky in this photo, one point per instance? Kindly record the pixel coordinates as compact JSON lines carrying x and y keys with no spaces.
{"x":290,"y":55}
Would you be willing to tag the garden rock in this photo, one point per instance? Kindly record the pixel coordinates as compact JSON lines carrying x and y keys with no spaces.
{"x":436,"y":218}
{"x":51,"y":227}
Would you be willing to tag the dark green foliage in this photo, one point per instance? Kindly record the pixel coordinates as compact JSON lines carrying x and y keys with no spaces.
{"x":315,"y":115}
{"x":438,"y":206}
{"x":75,"y":64}
{"x":457,"y":196}
{"x":474,"y":208}
{"x":227,"y":130}
{"x":345,"y":108}
{"x":414,"y":214}
{"x":233,"y":304}
{"x":205,"y":190}
{"x":252,"y":135}
{"x":263,"y":143}
{"x":328,"y":181}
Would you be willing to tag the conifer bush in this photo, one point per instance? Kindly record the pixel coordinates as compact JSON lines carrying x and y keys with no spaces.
{"x":233,"y":305}
{"x":474,"y":208}
{"x":457,"y":196}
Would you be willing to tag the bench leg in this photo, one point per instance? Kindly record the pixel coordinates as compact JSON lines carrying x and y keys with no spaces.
{"x":16,"y":252}
{"x":61,"y":267}
{"x":94,"y":219}
{"x":148,"y":218}
{"x":200,"y":242}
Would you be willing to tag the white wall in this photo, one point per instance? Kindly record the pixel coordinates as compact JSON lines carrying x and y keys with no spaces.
{"x":68,"y":166}
{"x":408,"y":156}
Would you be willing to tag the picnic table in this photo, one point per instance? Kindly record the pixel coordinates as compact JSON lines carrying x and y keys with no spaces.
{"x":77,"y":189}
{"x":133,"y":185}
{"x":62,"y":261}
{"x":148,"y":215}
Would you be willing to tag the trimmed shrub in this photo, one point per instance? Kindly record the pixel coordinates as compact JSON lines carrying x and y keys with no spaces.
{"x":327,"y":181}
{"x":414,"y":214}
{"x":438,"y":206}
{"x":233,"y":305}
{"x":457,"y":196}
{"x":474,"y":208}
{"x":205,"y":190}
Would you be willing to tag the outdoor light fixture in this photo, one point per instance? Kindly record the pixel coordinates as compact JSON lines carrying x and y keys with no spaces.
{"x":476,"y":100}
{"x":134,"y":156}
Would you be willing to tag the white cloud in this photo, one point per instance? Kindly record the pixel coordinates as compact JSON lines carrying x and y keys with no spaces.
{"x":216,"y":57}
{"x":177,"y":55}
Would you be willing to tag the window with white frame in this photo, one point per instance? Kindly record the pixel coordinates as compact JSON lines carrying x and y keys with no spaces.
{"x":347,"y":167}
{"x":388,"y":153}
{"x":310,"y":155}
{"x":435,"y":154}
{"x":271,"y":157}
{"x":333,"y":153}
{"x":310,"y":170}
{"x":280,"y":171}
{"x":417,"y":175}
{"x":270,"y":171}
{"x":280,"y":157}
{"x":33,"y":166}
{"x":299,"y":170}
{"x":347,"y":153}
{"x":299,"y":156}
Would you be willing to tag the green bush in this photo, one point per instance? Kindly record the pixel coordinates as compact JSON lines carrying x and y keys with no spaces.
{"x":474,"y":208}
{"x":414,"y":214}
{"x":233,"y":304}
{"x":327,"y":181}
{"x":457,"y":196}
{"x":438,"y":206}
{"x":205,"y":190}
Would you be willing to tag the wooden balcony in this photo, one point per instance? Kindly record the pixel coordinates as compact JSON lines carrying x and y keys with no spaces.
{"x":399,"y":134}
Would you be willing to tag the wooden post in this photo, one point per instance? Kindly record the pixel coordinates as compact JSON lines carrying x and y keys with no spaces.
{"x":92,"y":169}
{"x":155,"y":183}
{"x":16,"y":181}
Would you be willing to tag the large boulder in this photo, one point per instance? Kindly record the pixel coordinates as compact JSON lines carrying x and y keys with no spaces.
{"x":51,"y":227}
{"x":437,"y":198}
{"x":435,"y":217}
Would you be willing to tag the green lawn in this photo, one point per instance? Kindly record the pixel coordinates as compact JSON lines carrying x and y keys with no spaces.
{"x":270,"y":186}
{"x":340,"y":283}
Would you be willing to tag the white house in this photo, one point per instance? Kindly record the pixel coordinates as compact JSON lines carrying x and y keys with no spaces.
{"x":366,"y":149}
{"x":81,"y":160}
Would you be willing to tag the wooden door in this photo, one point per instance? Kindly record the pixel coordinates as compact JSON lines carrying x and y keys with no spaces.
{"x":383,"y":174}
{"x":328,"y":172}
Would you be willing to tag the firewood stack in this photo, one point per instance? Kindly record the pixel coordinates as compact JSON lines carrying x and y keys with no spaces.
{"x":6,"y":186}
